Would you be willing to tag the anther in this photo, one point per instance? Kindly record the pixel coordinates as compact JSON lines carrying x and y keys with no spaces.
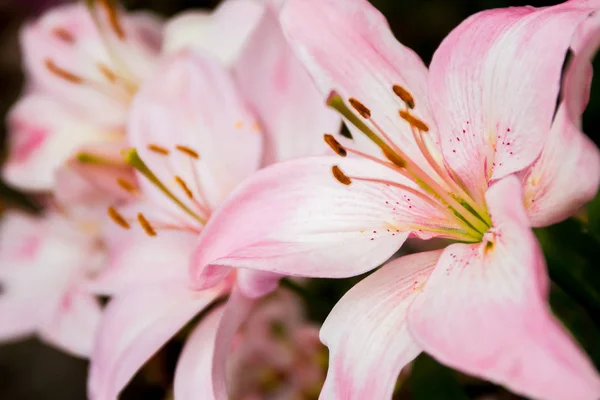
{"x":145,"y":224}
{"x":107,"y":72}
{"x":340,"y":176}
{"x":113,"y":17}
{"x":414,"y":121}
{"x":125,"y":184}
{"x":239,"y":124}
{"x":335,"y":145}
{"x":360,"y":107}
{"x":404,"y":95}
{"x":118,"y":218}
{"x":393,"y":157}
{"x":158,"y":149}
{"x":61,"y":73}
{"x":184,"y":187}
{"x":64,"y":35}
{"x":186,"y":150}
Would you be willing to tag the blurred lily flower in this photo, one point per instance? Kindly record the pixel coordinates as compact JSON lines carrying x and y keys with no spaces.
{"x":471,"y":150}
{"x":44,"y":264}
{"x":195,"y":137}
{"x":83,"y":66}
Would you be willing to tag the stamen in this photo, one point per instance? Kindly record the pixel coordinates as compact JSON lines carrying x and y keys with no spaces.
{"x":128,"y":186}
{"x":132,"y":158}
{"x":405,"y":96}
{"x":158,"y":149}
{"x":184,"y":187}
{"x":88,"y":158}
{"x":113,"y":17}
{"x":414,"y":121}
{"x":62,"y":73}
{"x":146,"y":225}
{"x":118,"y":218}
{"x":64,"y":35}
{"x":239,"y":124}
{"x":335,"y":145}
{"x":108,"y":73}
{"x":188,"y":151}
{"x":340,"y":176}
{"x":360,"y":107}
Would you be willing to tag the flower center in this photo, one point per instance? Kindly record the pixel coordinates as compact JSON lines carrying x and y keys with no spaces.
{"x":112,"y":77}
{"x":189,"y":200}
{"x":438,"y":185}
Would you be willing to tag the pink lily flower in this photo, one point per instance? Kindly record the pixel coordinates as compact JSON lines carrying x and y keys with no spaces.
{"x":471,"y":150}
{"x":83,"y":66}
{"x":190,"y":153}
{"x":43,"y":264}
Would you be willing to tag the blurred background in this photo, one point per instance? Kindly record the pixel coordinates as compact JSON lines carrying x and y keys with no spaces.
{"x":31,"y":370}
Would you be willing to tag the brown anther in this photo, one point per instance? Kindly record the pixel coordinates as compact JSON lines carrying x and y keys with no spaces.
{"x":128,"y":186}
{"x":113,"y":17}
{"x":63,"y":35}
{"x":414,"y":121}
{"x":404,"y":95}
{"x":108,"y":73}
{"x":394,"y":158}
{"x":335,"y":145}
{"x":118,"y":218}
{"x":184,"y":187}
{"x":360,"y":107}
{"x":146,"y":225}
{"x":158,"y":149}
{"x":61,"y":73}
{"x":186,"y":150}
{"x":340,"y":176}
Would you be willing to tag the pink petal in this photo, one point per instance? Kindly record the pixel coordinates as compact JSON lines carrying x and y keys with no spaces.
{"x":43,"y":134}
{"x":493,"y":86}
{"x":366,"y":332}
{"x":567,"y":174}
{"x":254,"y":284}
{"x":137,"y":261}
{"x":222,"y":34}
{"x":295,"y":218}
{"x":172,"y":110}
{"x":74,"y":325}
{"x":201,"y":370}
{"x":193,"y":376}
{"x":347,"y":45}
{"x":135,"y":326}
{"x":484,"y":311}
{"x":276,"y":86}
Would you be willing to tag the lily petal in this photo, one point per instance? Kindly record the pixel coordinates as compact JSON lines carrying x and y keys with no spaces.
{"x":201,"y":369}
{"x":193,"y":376}
{"x":292,"y":112}
{"x":222,"y":33}
{"x":172,"y":110}
{"x":74,"y":324}
{"x":367,"y":334}
{"x":134,"y":327}
{"x":347,"y":46}
{"x":567,"y":174}
{"x":299,"y":220}
{"x":484,"y":311}
{"x":493,"y":86}
{"x":139,"y":261}
{"x":43,"y":135}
